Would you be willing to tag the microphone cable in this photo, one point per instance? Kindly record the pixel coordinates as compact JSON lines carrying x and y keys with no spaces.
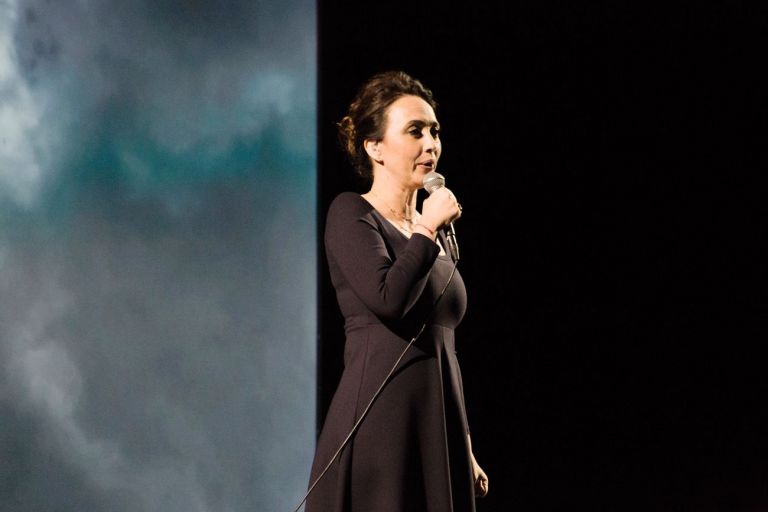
{"x":378,"y":391}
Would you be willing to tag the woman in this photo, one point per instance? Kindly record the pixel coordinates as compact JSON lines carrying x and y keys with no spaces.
{"x":388,"y":264}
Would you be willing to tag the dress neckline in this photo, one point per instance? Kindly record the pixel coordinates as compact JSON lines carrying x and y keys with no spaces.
{"x":443,"y":253}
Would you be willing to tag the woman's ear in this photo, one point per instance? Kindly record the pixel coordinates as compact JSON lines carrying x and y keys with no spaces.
{"x":373,"y":148}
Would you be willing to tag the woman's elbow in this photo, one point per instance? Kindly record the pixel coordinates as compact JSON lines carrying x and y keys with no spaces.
{"x":388,"y":310}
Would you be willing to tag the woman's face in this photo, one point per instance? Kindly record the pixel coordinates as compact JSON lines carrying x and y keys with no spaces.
{"x":411,"y":145}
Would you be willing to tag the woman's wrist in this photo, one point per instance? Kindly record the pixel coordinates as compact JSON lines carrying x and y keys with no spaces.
{"x":424,"y":230}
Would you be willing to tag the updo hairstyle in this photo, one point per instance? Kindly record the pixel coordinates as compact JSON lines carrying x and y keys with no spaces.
{"x":366,"y":116}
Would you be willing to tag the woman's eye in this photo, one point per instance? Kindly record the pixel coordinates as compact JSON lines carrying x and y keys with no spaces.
{"x":435,"y":133}
{"x":416,"y":133}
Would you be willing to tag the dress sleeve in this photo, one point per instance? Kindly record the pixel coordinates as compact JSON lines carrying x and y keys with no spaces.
{"x":353,"y":240}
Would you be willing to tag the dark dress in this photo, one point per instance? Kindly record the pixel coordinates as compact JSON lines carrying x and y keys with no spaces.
{"x":411,"y":451}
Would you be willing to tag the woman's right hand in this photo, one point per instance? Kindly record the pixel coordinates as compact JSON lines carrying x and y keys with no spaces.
{"x":440,"y":209}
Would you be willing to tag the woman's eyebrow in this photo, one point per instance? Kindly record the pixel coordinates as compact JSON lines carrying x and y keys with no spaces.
{"x":422,"y":122}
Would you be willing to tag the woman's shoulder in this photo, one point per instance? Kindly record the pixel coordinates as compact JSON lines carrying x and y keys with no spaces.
{"x":349,"y":204}
{"x":345,"y":211}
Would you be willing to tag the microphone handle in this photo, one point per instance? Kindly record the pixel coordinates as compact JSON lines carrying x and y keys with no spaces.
{"x":453,"y":246}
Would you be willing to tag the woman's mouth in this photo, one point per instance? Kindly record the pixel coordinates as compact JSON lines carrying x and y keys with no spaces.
{"x":429,"y":164}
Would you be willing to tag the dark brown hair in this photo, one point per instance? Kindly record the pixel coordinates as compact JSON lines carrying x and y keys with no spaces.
{"x":366,"y":115}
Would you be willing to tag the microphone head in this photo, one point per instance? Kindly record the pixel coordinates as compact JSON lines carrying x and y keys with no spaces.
{"x":433,"y":181}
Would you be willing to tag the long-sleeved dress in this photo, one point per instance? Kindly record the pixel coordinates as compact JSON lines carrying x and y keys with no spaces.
{"x":411,"y":452}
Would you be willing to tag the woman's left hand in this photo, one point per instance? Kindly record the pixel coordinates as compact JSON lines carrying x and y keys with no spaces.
{"x":480,"y":478}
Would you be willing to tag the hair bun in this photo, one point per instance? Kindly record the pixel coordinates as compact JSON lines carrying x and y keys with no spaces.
{"x":347,"y":130}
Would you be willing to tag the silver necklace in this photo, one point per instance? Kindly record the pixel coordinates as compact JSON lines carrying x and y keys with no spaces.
{"x":394,"y":212}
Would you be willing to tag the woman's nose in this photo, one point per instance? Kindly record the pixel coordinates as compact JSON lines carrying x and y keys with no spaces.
{"x":431,"y":144}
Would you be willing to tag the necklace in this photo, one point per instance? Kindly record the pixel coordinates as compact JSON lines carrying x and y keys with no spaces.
{"x":394,"y":212}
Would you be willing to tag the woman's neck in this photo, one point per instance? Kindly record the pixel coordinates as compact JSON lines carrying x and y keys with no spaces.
{"x":400,"y":202}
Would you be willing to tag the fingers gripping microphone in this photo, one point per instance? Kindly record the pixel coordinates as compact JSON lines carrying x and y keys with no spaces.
{"x":433,"y":181}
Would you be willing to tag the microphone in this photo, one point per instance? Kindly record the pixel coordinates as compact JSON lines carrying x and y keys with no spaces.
{"x":433,"y":181}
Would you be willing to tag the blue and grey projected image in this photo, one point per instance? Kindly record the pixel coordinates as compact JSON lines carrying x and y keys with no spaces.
{"x":157,"y":255}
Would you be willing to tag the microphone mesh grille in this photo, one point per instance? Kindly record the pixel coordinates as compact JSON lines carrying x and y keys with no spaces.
{"x":433,"y":181}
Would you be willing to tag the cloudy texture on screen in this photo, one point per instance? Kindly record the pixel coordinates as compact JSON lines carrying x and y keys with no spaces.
{"x":157,"y":254}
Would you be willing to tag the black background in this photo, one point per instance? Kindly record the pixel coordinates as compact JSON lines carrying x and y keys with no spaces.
{"x":610,"y":160}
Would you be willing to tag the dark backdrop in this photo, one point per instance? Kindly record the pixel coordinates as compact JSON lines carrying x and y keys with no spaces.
{"x":609,"y":162}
